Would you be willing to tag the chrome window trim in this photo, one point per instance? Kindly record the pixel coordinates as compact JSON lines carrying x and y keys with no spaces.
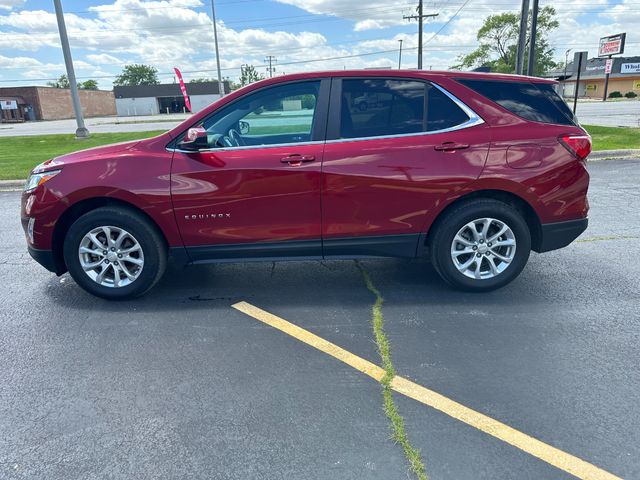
{"x":247,"y":147}
{"x":474,"y":120}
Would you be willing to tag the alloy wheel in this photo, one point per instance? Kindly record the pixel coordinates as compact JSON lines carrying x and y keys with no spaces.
{"x":483,"y":248}
{"x":111,"y":256}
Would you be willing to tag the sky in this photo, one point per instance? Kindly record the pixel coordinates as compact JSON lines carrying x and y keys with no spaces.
{"x":303,"y":35}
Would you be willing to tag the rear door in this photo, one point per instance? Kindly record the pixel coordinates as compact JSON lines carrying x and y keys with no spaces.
{"x":388,"y":166}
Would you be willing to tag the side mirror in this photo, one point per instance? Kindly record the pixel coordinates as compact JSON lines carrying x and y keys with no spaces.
{"x":244,"y":127}
{"x":194,"y":140}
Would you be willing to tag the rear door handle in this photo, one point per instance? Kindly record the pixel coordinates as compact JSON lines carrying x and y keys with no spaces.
{"x":297,"y":159}
{"x":450,"y":146}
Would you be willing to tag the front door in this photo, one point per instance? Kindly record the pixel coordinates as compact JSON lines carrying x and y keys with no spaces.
{"x":255,"y":191}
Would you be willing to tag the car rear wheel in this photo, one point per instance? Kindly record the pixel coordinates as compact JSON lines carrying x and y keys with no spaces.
{"x":480,"y":245}
{"x":115,"y":253}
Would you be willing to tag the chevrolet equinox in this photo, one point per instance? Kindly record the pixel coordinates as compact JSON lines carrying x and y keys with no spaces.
{"x":471,"y":170}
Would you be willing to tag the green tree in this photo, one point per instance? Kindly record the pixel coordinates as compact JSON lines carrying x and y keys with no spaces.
{"x":62,"y":82}
{"x":248,"y":74}
{"x":201,"y":80}
{"x":88,"y":85}
{"x":498,"y":38}
{"x":137,"y":74}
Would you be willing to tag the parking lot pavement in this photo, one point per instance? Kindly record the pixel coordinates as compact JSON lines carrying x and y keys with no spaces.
{"x":110,"y":124}
{"x":625,"y":113}
{"x":178,"y":384}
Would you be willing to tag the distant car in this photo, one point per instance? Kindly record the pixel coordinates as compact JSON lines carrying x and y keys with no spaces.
{"x":470,"y":170}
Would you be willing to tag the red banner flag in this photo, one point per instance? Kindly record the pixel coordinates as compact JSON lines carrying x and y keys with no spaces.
{"x":183,"y":88}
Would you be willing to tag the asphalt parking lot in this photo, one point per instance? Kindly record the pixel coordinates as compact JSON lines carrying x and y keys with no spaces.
{"x":178,"y":384}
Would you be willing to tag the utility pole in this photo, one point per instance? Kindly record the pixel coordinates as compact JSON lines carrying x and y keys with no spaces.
{"x":532,"y":40}
{"x":270,"y":59}
{"x":420,"y":17}
{"x":81,"y":131}
{"x":400,"y":56}
{"x":215,"y":40}
{"x":522,"y":36}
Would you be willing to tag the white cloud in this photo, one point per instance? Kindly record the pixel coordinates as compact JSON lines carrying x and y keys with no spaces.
{"x":9,"y":4}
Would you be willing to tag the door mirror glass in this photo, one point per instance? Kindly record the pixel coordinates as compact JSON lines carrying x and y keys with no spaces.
{"x":244,"y":127}
{"x":195,"y":139}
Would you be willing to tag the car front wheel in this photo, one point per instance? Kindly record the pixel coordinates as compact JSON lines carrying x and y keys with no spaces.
{"x":480,"y":245}
{"x":115,"y":253}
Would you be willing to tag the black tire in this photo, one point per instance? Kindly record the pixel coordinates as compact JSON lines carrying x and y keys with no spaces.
{"x":145,"y":232}
{"x":447,"y":227}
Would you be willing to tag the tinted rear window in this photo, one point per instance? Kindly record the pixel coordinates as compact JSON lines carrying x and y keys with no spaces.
{"x":380,"y":107}
{"x":536,"y":102}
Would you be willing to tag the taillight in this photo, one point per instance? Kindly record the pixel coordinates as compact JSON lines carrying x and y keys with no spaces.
{"x":578,"y":145}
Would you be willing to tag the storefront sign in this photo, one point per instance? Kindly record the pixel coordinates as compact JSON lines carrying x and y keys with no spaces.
{"x":630,"y":68}
{"x":8,"y":105}
{"x":636,"y":85}
{"x":591,"y":87}
{"x":612,"y":45}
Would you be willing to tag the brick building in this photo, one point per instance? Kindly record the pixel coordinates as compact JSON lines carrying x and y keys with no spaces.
{"x":49,"y":103}
{"x":624,"y":78}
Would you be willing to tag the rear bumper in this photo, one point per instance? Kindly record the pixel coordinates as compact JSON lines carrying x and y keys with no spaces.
{"x":561,"y":234}
{"x":44,"y":258}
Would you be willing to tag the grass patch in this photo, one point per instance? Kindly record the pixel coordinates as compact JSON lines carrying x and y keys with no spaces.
{"x":390,"y":408}
{"x":18,"y":155}
{"x":613,"y":138}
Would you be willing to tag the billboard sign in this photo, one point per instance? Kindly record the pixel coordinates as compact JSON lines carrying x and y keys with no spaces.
{"x":612,"y":45}
{"x":630,"y":68}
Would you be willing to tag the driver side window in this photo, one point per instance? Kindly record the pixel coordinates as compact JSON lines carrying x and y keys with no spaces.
{"x":274,"y":115}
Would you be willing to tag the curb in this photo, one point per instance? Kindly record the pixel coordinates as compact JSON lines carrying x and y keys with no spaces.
{"x":613,"y":155}
{"x":593,"y":157}
{"x":12,"y":185}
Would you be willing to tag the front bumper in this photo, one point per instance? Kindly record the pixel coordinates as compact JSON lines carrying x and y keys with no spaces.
{"x":560,"y":234}
{"x":44,"y":258}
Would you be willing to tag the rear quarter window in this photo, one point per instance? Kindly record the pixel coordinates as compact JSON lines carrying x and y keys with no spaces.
{"x":531,"y":101}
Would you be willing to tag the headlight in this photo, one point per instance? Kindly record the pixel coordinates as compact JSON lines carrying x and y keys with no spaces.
{"x":37,"y":179}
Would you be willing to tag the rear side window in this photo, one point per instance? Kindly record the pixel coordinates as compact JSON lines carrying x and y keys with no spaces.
{"x":531,"y":101}
{"x":380,"y":107}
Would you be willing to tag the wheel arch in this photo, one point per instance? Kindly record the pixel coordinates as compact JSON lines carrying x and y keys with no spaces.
{"x":76,"y":210}
{"x":520,"y":204}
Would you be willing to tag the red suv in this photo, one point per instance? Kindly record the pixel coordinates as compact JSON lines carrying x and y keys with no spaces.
{"x":470,"y":170}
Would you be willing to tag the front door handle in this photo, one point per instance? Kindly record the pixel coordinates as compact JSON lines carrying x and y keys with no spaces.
{"x":296,"y":159}
{"x":450,"y":146}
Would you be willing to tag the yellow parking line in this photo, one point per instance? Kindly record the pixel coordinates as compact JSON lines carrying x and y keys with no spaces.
{"x":562,"y":460}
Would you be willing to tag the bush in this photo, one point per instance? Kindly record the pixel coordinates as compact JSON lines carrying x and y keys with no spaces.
{"x":631,"y":94}
{"x":615,"y":94}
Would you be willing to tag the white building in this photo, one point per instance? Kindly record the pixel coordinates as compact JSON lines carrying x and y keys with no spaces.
{"x":164,"y":98}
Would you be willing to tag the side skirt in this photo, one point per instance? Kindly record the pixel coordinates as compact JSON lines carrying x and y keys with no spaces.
{"x":402,"y":246}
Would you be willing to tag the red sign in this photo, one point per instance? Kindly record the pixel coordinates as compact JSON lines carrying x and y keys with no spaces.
{"x":183,"y":88}
{"x":608,"y":66}
{"x":613,"y":45}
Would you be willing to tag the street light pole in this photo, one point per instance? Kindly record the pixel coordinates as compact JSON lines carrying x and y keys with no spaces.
{"x":522,"y":37}
{"x":215,"y":40}
{"x":531,"y":61}
{"x":81,"y":131}
{"x":400,"y":56}
{"x":564,"y":80}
